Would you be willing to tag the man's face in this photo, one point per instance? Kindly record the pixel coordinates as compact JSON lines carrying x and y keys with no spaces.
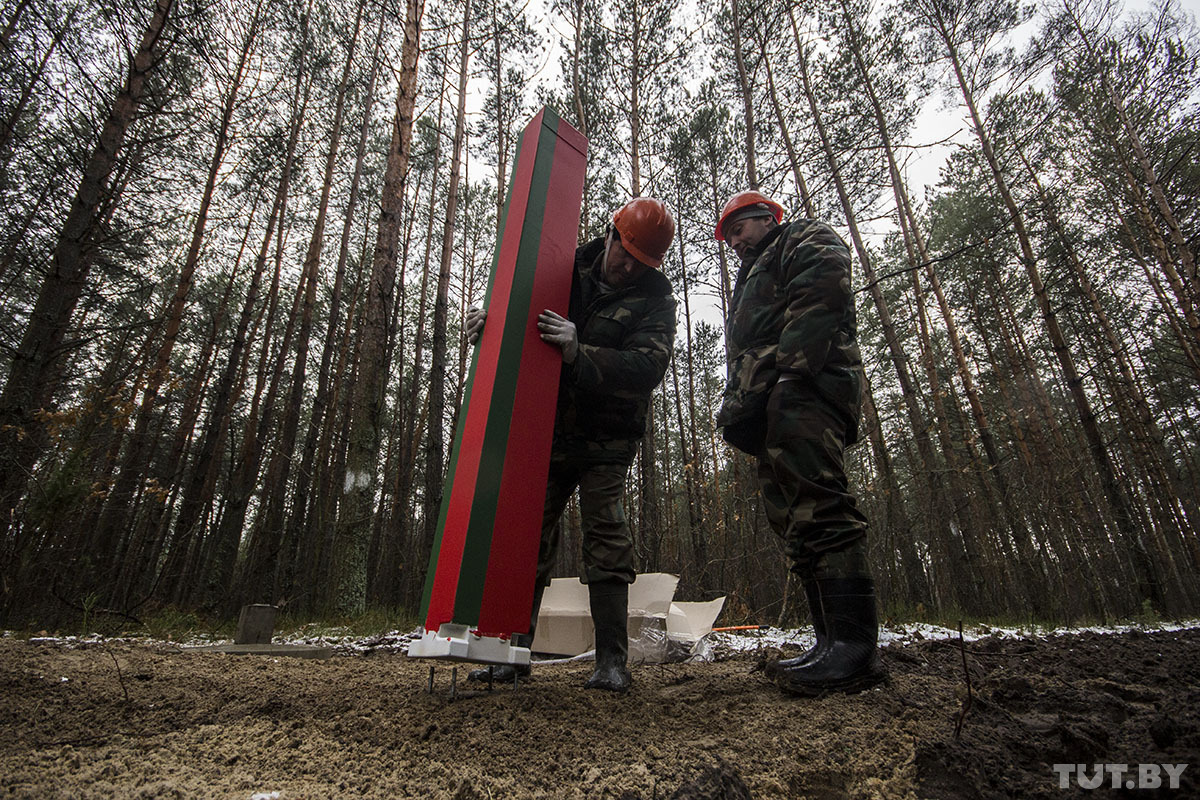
{"x":743,"y":234}
{"x":621,"y":268}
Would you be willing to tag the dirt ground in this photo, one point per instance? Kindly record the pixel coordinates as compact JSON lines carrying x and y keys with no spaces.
{"x":115,"y":719}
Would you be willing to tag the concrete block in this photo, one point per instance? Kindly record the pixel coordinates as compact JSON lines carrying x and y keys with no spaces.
{"x":256,"y":624}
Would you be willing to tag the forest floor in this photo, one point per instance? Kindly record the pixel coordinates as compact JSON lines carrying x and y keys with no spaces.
{"x":130,"y":719}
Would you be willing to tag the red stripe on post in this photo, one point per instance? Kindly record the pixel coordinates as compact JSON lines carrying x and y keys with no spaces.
{"x":458,"y":511}
{"x":512,"y":561}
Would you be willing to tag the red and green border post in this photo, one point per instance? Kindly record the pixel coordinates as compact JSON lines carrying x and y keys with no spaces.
{"x":479,"y":587}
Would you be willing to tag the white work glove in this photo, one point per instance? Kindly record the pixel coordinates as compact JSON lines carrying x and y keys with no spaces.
{"x":475,"y":320}
{"x":558,"y":330}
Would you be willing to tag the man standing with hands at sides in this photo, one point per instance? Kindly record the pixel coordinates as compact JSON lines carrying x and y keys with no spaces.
{"x":793,"y":402}
{"x":616,"y":342}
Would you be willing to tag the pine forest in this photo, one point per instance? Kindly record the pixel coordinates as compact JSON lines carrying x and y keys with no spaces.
{"x":238,"y":241}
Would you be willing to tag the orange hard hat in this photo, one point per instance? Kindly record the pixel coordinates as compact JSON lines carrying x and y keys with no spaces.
{"x":747,"y":200}
{"x":646,"y":229}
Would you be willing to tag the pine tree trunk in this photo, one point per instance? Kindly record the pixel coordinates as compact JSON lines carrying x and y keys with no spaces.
{"x":435,"y":449}
{"x":501,"y":124}
{"x":1183,"y":248}
{"x":323,"y":518}
{"x":689,"y":445}
{"x":1184,"y":296}
{"x":793,"y":159}
{"x":349,"y":567}
{"x":143,"y":567}
{"x":1138,"y":419}
{"x":35,"y":374}
{"x":377,"y":339}
{"x":1178,"y":326}
{"x":747,"y":95}
{"x":200,"y":481}
{"x":10,"y":26}
{"x":304,"y":525}
{"x":899,"y":537}
{"x":279,"y":549}
{"x":255,"y":575}
{"x":414,"y":429}
{"x":19,"y":233}
{"x":635,"y":120}
{"x":919,"y":256}
{"x":9,"y":125}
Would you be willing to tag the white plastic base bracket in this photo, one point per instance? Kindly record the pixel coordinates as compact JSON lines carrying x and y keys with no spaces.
{"x":455,"y":642}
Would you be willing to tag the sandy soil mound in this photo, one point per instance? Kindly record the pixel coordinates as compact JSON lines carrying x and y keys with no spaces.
{"x":134,"y":721}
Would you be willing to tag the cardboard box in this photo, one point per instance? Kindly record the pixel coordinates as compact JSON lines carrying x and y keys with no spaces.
{"x":692,"y":621}
{"x":565,"y":620}
{"x":656,"y":623}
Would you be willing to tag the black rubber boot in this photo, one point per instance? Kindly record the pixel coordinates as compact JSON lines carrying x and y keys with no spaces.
{"x":507,"y":673}
{"x":850,"y":660}
{"x":610,"y":610}
{"x":773,"y":668}
{"x":849,"y":562}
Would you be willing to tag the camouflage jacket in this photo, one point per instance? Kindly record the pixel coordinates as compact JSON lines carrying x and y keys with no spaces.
{"x":792,"y":316}
{"x":625,"y":341}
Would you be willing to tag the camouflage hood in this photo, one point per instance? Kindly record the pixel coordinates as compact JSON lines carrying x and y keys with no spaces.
{"x":792,"y":315}
{"x":625,"y":341}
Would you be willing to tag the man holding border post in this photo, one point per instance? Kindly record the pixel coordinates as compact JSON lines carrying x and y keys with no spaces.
{"x":616,"y":342}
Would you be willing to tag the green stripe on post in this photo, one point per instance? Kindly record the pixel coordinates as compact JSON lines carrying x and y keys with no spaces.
{"x":469,"y":594}
{"x":452,"y":468}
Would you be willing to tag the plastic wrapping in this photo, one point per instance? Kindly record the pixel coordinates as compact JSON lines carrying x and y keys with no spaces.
{"x":651,"y":644}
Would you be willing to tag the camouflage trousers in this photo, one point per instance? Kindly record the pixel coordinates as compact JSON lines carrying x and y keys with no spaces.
{"x":803,"y":479}
{"x":607,"y":540}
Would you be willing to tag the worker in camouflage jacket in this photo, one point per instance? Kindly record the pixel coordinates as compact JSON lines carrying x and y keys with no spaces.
{"x":792,"y":401}
{"x":616,"y":343}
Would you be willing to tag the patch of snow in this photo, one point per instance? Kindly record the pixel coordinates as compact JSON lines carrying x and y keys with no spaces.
{"x":265,"y":796}
{"x":344,"y":643}
{"x":904,"y":634}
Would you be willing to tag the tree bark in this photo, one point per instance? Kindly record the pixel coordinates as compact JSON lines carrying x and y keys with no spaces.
{"x":747,"y":96}
{"x":435,"y":449}
{"x":354,"y":526}
{"x":304,"y":523}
